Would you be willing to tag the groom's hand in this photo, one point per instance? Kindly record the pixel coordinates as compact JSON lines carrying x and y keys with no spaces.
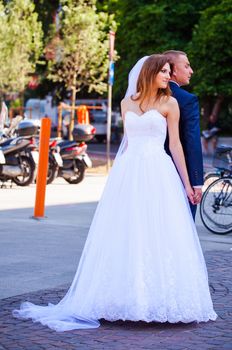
{"x":190,"y":194}
{"x":197,"y":194}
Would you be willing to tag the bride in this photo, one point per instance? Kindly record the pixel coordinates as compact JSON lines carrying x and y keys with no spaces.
{"x":142,"y":259}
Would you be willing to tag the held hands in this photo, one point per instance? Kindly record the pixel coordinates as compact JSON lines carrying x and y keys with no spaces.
{"x":197,"y":194}
{"x":194,"y":194}
{"x":190,"y":193}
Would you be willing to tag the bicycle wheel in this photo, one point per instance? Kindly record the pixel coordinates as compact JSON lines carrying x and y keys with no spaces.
{"x":216,"y":206}
{"x":209,"y":178}
{"x":212,"y":176}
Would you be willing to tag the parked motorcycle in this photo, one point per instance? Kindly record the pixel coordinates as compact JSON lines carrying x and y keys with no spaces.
{"x":69,"y":159}
{"x":54,"y":161}
{"x":17,"y":160}
{"x":14,"y":165}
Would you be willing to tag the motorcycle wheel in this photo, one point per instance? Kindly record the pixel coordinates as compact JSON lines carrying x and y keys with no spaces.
{"x":79,"y":176}
{"x":28,"y":172}
{"x":52,"y":173}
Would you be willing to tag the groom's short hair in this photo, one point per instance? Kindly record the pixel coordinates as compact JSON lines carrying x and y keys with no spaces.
{"x":173,"y":55}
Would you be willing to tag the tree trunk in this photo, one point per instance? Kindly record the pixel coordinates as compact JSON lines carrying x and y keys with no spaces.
{"x":73,"y":104}
{"x":21,"y":97}
{"x":217,"y":106}
{"x":206,"y":109}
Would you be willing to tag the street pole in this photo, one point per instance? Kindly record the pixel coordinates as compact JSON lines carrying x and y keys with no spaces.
{"x":109,"y":117}
{"x":110,"y":86}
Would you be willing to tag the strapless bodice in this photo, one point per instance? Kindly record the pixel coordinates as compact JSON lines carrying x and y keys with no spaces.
{"x":146,"y":131}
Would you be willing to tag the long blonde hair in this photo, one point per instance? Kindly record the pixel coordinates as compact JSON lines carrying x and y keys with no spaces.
{"x":145,"y":84}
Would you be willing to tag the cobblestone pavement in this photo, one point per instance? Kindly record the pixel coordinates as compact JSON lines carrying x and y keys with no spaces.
{"x":17,"y":334}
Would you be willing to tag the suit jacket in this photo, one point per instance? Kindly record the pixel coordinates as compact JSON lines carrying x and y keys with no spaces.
{"x":189,"y":133}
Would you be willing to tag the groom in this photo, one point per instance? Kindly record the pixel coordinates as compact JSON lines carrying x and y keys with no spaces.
{"x":189,"y":122}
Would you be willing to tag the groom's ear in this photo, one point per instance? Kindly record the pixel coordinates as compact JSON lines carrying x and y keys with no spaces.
{"x":174,"y":72}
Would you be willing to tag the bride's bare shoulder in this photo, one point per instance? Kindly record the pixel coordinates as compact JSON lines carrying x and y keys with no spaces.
{"x":125,"y":101}
{"x":128,"y":101}
{"x":172,"y":102}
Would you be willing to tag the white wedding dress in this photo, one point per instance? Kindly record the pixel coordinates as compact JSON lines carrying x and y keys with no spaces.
{"x":142,"y":259}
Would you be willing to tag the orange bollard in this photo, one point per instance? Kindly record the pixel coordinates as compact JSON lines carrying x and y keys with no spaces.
{"x":82,"y":115}
{"x":41,"y":179}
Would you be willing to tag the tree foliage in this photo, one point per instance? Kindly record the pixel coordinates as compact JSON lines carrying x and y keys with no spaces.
{"x":82,"y":56}
{"x":46,"y":12}
{"x":148,"y":26}
{"x":201,"y":28}
{"x":211,"y":51}
{"x":20,"y":44}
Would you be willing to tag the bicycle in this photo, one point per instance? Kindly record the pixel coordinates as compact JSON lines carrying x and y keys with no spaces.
{"x":216,"y":203}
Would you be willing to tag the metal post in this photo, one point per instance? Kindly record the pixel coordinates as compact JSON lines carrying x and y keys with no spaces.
{"x":110,"y":85}
{"x":108,"y":134}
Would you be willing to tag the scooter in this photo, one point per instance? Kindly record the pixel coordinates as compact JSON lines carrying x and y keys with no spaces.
{"x":69,"y":159}
{"x":17,"y":160}
{"x":15,"y":164}
{"x":75,"y":161}
{"x":55,"y":161}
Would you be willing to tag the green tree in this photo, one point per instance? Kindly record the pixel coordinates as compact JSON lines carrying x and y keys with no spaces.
{"x":20,"y":44}
{"x":82,"y":49}
{"x":46,"y":10}
{"x":148,"y":26}
{"x":48,"y":15}
{"x":211,"y":53}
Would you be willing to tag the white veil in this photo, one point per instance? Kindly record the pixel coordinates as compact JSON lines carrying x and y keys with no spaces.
{"x":133,"y":77}
{"x":131,"y":90}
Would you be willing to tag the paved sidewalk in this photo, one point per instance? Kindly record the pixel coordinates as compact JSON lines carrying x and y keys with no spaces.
{"x":17,"y":334}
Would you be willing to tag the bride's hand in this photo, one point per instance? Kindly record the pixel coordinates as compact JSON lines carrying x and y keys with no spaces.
{"x":190,"y":193}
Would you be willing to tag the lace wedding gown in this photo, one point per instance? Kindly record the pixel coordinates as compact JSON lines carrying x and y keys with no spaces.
{"x":142,"y":259}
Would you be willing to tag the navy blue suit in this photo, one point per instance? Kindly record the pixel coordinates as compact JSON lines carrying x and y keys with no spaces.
{"x":189,"y":135}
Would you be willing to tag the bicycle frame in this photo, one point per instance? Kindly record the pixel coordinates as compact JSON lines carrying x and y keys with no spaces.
{"x":223,"y":197}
